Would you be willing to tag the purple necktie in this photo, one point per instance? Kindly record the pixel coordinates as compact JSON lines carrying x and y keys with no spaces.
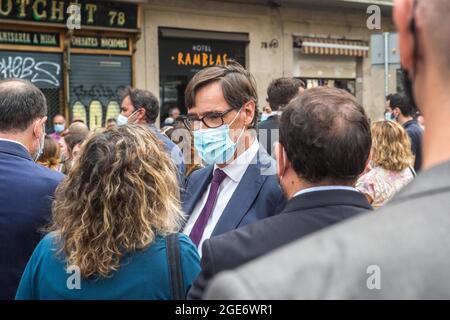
{"x":199,"y":226}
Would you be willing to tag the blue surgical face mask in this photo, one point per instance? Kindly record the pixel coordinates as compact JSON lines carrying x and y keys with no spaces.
{"x":214,"y":145}
{"x":122,"y":120}
{"x":40,"y":149}
{"x":264,"y":117}
{"x":389,"y":116}
{"x":58,"y":128}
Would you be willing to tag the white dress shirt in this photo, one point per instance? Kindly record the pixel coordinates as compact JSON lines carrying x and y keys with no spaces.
{"x":234,"y":171}
{"x":324,"y":188}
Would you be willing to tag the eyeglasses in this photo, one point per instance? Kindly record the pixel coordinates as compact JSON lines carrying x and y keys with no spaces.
{"x":210,"y":120}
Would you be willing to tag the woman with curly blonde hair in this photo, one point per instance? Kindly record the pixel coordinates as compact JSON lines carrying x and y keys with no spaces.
{"x":111,"y":217}
{"x":391,"y":162}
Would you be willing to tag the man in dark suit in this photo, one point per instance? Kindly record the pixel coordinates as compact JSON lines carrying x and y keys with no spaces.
{"x":142,"y":107}
{"x":279,"y":93}
{"x":320,"y":125}
{"x":402,"y":251}
{"x":26,"y":188}
{"x":238,"y":185}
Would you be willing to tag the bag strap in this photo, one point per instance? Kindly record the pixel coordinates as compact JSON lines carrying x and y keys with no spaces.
{"x":174,"y":262}
{"x":413,"y":171}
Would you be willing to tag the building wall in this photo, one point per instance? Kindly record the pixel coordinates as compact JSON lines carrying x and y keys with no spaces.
{"x":263,"y":24}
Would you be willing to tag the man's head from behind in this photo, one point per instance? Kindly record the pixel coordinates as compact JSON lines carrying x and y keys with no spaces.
{"x":324,"y":140}
{"x":424,"y":45}
{"x":23,"y":113}
{"x":78,"y":128}
{"x":139,"y":106}
{"x":282,"y":90}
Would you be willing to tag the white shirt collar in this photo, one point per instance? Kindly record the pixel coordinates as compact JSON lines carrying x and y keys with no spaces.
{"x":14,"y":141}
{"x":236,"y":169}
{"x":324,"y":188}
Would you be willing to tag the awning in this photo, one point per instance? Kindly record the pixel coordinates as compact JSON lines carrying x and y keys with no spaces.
{"x":335,"y":47}
{"x":201,"y":34}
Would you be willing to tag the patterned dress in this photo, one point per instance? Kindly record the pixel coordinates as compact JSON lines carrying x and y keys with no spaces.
{"x":381,"y":184}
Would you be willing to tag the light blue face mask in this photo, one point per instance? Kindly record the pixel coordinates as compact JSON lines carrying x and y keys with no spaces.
{"x":264,"y":117}
{"x":40,"y":149}
{"x":388,"y":116}
{"x":58,"y":128}
{"x":122,"y":120}
{"x":214,"y":145}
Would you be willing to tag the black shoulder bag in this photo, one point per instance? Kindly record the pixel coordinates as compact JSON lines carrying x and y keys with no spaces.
{"x":174,"y":261}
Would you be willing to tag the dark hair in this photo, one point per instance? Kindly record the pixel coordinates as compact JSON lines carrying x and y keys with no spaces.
{"x":401,"y":101}
{"x":281,"y":91}
{"x":171,"y":108}
{"x":72,"y":139}
{"x":238,"y":85}
{"x":326,"y":135}
{"x":388,"y":97}
{"x":51,"y":154}
{"x":21,"y":103}
{"x":143,"y":99}
{"x":58,"y":115}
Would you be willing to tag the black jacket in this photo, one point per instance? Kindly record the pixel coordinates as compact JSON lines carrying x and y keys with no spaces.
{"x":415,"y":134}
{"x":302,"y":215}
{"x":268,"y":133}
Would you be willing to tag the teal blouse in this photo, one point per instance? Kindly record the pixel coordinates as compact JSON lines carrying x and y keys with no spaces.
{"x":143,"y":274}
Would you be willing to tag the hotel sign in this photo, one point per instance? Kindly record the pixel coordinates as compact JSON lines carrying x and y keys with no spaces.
{"x":187,"y":56}
{"x":93,"y":13}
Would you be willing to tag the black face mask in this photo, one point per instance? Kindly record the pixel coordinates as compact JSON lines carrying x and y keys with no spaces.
{"x":406,"y":79}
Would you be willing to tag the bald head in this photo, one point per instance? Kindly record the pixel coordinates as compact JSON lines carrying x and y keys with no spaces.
{"x":21,"y":103}
{"x":78,"y":128}
{"x":436,"y":26}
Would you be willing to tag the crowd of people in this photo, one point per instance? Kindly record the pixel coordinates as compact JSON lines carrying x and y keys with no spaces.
{"x":295,"y":203}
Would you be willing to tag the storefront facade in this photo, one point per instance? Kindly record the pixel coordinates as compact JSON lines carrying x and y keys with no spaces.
{"x":321,"y":44}
{"x":81,"y":66}
{"x":328,"y":62}
{"x":183,"y":52}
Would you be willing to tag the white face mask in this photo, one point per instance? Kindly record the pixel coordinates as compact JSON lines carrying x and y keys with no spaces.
{"x":123,"y":120}
{"x":40,"y":149}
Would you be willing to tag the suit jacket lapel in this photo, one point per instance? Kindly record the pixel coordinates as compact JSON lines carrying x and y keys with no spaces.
{"x":243,"y":197}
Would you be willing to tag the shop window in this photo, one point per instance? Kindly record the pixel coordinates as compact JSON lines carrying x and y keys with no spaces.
{"x":348,"y":85}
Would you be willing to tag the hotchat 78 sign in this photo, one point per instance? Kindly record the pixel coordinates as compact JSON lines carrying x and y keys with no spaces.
{"x":92,"y":13}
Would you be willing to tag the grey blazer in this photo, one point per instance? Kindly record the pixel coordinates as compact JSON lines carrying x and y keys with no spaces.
{"x":401,"y":251}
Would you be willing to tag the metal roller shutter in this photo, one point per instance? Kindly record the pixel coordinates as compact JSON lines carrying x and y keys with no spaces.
{"x":95,"y":83}
{"x":42,"y":69}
